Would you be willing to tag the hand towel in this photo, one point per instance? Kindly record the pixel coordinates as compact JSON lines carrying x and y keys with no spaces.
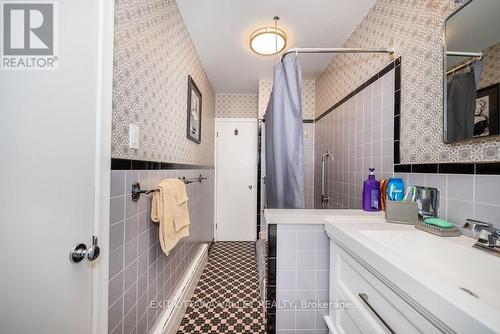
{"x":165,"y":209}
{"x":181,"y":213}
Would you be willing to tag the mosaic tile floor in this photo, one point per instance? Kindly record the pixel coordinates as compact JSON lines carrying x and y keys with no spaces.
{"x":227,"y":298}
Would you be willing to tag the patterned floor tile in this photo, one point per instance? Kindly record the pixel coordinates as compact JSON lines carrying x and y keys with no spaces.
{"x":227,"y":298}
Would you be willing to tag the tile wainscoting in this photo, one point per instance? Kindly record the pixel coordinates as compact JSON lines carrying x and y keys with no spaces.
{"x":462,"y":196}
{"x":139,"y":271}
{"x":298,"y":278}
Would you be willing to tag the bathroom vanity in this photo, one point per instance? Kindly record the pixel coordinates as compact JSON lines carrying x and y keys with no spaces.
{"x":395,"y":278}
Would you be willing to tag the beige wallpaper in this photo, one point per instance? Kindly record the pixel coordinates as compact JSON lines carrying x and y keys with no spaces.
{"x":416,"y":29}
{"x":236,"y":106}
{"x":308,"y":97}
{"x":153,"y":57}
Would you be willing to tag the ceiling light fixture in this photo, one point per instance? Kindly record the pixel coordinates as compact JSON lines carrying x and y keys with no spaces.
{"x":268,"y":41}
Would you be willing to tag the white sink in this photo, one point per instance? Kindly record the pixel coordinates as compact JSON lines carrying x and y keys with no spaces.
{"x":420,"y":262}
{"x":450,"y":259}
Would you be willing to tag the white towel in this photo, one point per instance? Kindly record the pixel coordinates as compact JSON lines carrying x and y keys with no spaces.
{"x":170,"y":210}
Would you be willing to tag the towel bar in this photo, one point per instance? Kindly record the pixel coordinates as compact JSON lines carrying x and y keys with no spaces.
{"x":136,"y":190}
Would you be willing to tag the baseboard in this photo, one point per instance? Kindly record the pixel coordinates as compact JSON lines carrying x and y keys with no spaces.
{"x":172,"y":317}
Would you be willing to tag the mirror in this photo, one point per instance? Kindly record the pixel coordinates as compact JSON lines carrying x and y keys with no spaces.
{"x":472,"y":72}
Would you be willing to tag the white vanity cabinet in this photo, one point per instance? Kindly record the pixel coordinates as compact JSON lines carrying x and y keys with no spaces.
{"x":371,"y":306}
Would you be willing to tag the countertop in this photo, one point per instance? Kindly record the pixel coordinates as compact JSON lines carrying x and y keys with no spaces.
{"x":312,"y":216}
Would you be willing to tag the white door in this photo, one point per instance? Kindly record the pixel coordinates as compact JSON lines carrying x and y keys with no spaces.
{"x":55,"y":160}
{"x":236,"y":169}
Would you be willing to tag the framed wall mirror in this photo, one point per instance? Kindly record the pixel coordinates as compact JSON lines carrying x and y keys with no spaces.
{"x":472,"y":72}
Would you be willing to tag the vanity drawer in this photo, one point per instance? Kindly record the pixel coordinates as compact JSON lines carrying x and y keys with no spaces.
{"x":374,"y":307}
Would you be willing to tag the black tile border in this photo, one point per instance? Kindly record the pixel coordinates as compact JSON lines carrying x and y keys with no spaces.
{"x":393,"y":65}
{"x":482,"y":168}
{"x":272,"y":233}
{"x":128,"y":164}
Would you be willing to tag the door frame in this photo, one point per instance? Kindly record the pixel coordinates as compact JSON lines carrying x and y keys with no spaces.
{"x":217,"y":122}
{"x":104,"y":93}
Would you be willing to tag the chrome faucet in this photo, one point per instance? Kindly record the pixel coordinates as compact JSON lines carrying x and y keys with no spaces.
{"x":489,"y":236}
{"x":324,"y":186}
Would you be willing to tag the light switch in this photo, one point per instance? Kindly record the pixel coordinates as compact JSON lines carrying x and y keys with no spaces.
{"x":133,"y":136}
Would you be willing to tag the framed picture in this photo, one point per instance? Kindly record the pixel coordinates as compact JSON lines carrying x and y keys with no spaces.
{"x":486,"y":117}
{"x":193,"y":111}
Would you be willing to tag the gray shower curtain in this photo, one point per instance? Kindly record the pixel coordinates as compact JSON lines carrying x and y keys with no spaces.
{"x":461,"y":103}
{"x":284,"y":138}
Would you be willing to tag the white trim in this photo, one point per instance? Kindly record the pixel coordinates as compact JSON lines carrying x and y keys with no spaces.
{"x":172,"y":316}
{"x":102,"y":165}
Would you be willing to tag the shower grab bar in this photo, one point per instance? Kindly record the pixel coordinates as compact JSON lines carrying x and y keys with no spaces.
{"x":389,"y":50}
{"x":324,"y":195}
{"x":136,"y":190}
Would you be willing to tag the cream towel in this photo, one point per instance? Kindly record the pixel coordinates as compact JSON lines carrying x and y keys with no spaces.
{"x":172,"y":217}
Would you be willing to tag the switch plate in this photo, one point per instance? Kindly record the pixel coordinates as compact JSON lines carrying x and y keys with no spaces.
{"x":133,"y":136}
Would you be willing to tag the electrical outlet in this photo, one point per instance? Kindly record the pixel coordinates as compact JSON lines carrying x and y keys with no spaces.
{"x":133,"y":136}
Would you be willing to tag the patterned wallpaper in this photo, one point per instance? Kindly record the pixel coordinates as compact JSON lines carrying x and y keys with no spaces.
{"x":236,"y":105}
{"x":416,"y":29}
{"x":308,"y":97}
{"x":491,"y":70}
{"x":154,"y":55}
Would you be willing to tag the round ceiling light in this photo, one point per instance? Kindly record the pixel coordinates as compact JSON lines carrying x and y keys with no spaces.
{"x":268,"y":41}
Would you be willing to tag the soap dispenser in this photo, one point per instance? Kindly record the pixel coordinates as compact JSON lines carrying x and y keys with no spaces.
{"x":371,"y":193}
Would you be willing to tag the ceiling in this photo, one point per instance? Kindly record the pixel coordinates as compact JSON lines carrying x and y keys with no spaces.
{"x":474,"y":28}
{"x":220,"y":30}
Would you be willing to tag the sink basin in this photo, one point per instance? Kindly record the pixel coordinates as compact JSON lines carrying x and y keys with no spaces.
{"x":431,"y":269}
{"x":449,"y":259}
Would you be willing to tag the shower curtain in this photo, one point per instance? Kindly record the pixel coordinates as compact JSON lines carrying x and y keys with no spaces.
{"x":284,"y":138}
{"x":461,"y":103}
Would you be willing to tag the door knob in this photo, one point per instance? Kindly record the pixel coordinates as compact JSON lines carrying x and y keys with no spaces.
{"x":250,"y":186}
{"x":80,"y":251}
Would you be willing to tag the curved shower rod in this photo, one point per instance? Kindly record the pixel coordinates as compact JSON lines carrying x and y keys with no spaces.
{"x":389,"y":50}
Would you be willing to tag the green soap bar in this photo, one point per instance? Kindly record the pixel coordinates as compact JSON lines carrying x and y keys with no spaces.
{"x":439,"y":222}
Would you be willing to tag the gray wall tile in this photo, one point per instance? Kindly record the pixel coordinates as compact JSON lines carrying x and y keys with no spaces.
{"x":487,"y":190}
{"x":116,"y":235}
{"x":115,"y":314}
{"x":116,"y":209}
{"x":460,"y":187}
{"x":115,"y":261}
{"x":115,"y":289}
{"x":488,"y":213}
{"x":118,"y":183}
{"x":145,"y":271}
{"x":459,"y":211}
{"x":359,"y":133}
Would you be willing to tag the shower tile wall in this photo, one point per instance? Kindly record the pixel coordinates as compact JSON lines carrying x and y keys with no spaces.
{"x":360,"y":134}
{"x":139,"y":271}
{"x":309,"y":165}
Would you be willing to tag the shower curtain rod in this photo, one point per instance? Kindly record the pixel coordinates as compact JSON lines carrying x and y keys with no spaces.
{"x":335,"y":50}
{"x":478,"y":56}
